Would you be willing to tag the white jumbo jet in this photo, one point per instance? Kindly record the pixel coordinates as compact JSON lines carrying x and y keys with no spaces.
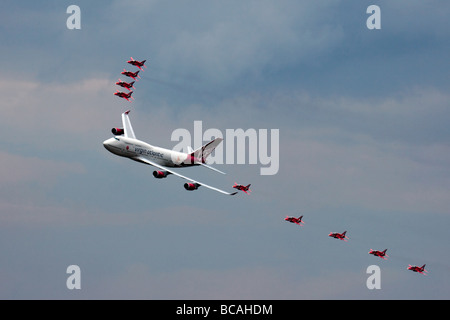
{"x":125,"y":144}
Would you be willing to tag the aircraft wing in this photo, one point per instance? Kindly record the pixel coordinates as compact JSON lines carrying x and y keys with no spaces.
{"x":146,"y":161}
{"x":129,"y":133}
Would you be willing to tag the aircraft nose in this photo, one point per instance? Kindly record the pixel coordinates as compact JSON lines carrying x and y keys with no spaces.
{"x":106,"y":144}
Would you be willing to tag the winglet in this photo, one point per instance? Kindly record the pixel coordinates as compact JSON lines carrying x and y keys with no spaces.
{"x":129,"y":133}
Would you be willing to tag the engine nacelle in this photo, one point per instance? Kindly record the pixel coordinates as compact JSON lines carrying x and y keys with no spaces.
{"x":160,"y":174}
{"x":191,"y":186}
{"x":117,"y":131}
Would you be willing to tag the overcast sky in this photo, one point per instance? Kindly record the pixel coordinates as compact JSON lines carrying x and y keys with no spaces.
{"x":364,"y":146}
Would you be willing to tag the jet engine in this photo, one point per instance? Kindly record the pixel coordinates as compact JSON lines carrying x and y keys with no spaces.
{"x":160,"y":174}
{"x":191,"y":186}
{"x":117,"y":131}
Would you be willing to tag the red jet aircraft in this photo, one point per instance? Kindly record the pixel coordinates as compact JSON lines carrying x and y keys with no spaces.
{"x":337,"y":235}
{"x":417,"y":269}
{"x":126,"y":85}
{"x":124,"y":95}
{"x":381,"y":254}
{"x":130,"y":74}
{"x":295,"y":220}
{"x":136,"y":63}
{"x":242,"y":187}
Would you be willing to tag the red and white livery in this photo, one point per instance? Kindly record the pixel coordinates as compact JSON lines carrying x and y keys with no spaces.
{"x":242,"y":187}
{"x":381,"y":254}
{"x":124,"y":95}
{"x":417,"y":269}
{"x":130,"y":74}
{"x":340,"y":236}
{"x":295,"y":220}
{"x":126,"y":85}
{"x":125,"y":144}
{"x":137,"y":63}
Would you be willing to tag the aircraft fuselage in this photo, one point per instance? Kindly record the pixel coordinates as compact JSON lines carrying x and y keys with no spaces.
{"x":134,"y":148}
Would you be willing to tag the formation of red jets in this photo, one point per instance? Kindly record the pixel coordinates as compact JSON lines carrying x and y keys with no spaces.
{"x":336,"y":235}
{"x":132,"y":75}
{"x":342,"y":236}
{"x":299,"y":221}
